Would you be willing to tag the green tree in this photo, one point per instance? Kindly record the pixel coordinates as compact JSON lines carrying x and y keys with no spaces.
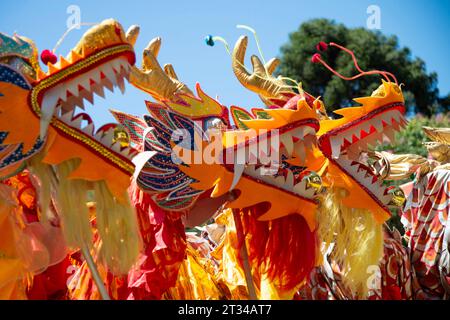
{"x":373,"y":51}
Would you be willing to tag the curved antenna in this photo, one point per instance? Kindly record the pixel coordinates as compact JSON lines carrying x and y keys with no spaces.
{"x":255,"y":35}
{"x":75,"y":26}
{"x":318,"y":58}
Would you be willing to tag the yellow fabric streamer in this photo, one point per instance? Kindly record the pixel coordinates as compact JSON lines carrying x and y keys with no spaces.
{"x":72,"y":199}
{"x":357,"y":238}
{"x":118,"y":229}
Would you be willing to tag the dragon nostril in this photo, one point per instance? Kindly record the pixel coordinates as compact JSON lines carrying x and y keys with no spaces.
{"x":117,"y":30}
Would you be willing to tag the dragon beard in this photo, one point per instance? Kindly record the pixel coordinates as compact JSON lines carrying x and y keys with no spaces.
{"x":357,"y":239}
{"x":114,"y":220}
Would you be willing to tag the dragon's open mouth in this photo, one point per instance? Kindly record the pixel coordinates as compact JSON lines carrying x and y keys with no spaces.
{"x":354,"y":137}
{"x":59,"y":99}
{"x":344,"y":145}
{"x":292,"y":141}
{"x":286,"y":179}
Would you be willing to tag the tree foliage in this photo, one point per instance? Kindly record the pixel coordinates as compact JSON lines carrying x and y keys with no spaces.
{"x":373,"y":51}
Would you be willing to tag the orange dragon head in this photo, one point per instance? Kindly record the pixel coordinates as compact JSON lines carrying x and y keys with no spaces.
{"x":342,"y":140}
{"x":43,"y":127}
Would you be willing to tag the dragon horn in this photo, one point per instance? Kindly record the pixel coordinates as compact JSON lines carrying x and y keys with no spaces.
{"x":162,"y":84}
{"x":261,"y":80}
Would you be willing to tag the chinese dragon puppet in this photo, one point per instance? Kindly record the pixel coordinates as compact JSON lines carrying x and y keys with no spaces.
{"x":195,"y":200}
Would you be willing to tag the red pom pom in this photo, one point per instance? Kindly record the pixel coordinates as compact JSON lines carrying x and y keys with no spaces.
{"x":316,"y":58}
{"x":48,"y":56}
{"x":321,"y":46}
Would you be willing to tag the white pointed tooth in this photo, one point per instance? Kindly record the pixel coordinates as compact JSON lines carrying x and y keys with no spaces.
{"x":58,"y":111}
{"x":121,"y":84}
{"x":346,"y":135}
{"x":361,"y":173}
{"x":116,"y":147}
{"x":353,"y":169}
{"x":248,"y":170}
{"x":76,"y":122}
{"x":299,"y":132}
{"x":108,"y":71}
{"x":258,"y":174}
{"x":378,"y":125}
{"x":290,"y":179}
{"x":336,"y":143}
{"x":263,"y":149}
{"x":241,"y":155}
{"x":396,"y":115}
{"x":309,"y":193}
{"x":62,"y":92}
{"x":310,"y":130}
{"x":48,"y":107}
{"x":280,"y":182}
{"x":108,"y":137}
{"x":252,"y":154}
{"x":379,"y":185}
{"x":98,"y":89}
{"x":67,"y":117}
{"x":238,"y":170}
{"x":403,"y":122}
{"x":300,"y":187}
{"x":79,"y":102}
{"x":286,"y":140}
{"x":64,"y":107}
{"x":379,"y":191}
{"x":387,"y":118}
{"x":72,"y":86}
{"x":108,"y":84}
{"x":89,"y":129}
{"x":89,"y":96}
{"x":98,"y":135}
{"x":353,"y":151}
{"x":125,"y":152}
{"x":117,"y":64}
{"x":365,"y":127}
{"x":299,"y":150}
{"x":396,"y":126}
{"x":253,"y":169}
{"x":96,"y":76}
{"x":127,"y":75}
{"x":310,"y":141}
{"x":386,"y":198}
{"x":85,"y":81}
{"x":390,"y":134}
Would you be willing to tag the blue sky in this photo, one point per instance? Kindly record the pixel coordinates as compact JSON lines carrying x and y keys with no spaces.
{"x":421,"y":25}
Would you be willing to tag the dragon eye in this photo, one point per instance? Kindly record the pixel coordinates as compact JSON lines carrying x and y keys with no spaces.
{"x":121,"y":135}
{"x":398,"y":197}
{"x":313,"y":180}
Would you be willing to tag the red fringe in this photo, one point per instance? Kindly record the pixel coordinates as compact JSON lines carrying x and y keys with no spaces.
{"x":285,"y":244}
{"x":164,"y":249}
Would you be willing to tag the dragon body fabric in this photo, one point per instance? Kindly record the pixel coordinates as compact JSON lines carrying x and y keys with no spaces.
{"x":299,"y":214}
